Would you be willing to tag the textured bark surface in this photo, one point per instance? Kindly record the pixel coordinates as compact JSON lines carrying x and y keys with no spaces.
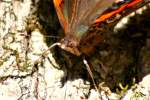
{"x":28,"y":27}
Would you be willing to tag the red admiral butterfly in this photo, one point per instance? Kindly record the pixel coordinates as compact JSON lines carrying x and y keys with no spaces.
{"x":78,"y":16}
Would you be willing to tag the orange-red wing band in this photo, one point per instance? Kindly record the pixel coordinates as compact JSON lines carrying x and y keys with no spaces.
{"x":110,"y":14}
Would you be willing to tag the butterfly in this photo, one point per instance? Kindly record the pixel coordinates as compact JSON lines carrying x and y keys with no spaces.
{"x":77,"y":16}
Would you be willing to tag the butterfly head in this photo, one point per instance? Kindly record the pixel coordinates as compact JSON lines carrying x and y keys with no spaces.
{"x":70,"y":44}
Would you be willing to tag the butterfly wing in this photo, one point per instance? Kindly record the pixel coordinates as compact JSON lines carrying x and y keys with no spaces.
{"x":77,"y":15}
{"x":60,"y":7}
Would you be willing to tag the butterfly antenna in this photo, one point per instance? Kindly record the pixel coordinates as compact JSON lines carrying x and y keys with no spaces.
{"x":45,"y":52}
{"x":90,"y":72}
{"x":47,"y":36}
{"x":52,"y":46}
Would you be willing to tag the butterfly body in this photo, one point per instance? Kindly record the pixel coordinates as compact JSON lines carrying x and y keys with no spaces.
{"x":85,"y":46}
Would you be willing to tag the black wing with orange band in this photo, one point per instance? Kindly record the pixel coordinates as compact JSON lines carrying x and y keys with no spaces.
{"x":130,"y":6}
